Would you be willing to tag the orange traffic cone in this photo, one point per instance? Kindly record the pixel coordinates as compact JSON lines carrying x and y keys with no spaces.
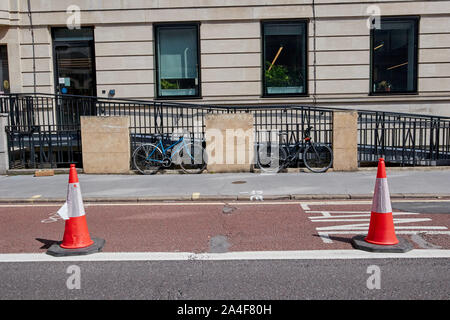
{"x":76,"y":234}
{"x":381,"y":236}
{"x":381,"y":227}
{"x":76,"y":239}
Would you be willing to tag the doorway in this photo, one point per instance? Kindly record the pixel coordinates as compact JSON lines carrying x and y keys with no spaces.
{"x":74,"y":73}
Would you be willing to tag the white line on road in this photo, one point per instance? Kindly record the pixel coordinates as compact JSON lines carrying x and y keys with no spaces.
{"x":248,"y":255}
{"x":361,"y":212}
{"x":344,"y":201}
{"x":174,"y":203}
{"x":356,"y":231}
{"x":194,"y":203}
{"x":304,"y":206}
{"x":333,"y":218}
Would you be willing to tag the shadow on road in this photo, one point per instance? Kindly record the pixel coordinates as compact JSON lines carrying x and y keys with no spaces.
{"x":341,"y":239}
{"x":47,"y":243}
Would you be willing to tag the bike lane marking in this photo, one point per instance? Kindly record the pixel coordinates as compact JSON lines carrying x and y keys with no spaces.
{"x":347,"y":219}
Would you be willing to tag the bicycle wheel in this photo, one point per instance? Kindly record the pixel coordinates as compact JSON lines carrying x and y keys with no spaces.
{"x":147,"y":158}
{"x":318,"y":157}
{"x":271,"y":160}
{"x":192,"y":158}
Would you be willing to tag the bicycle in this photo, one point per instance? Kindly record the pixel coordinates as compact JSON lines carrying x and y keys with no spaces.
{"x":149,"y":158}
{"x":316,"y":157}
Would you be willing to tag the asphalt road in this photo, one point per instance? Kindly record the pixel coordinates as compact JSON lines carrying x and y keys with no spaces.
{"x":228,"y":280}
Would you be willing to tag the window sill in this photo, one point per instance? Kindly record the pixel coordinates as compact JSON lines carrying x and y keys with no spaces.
{"x":179,"y":98}
{"x":393,"y":94}
{"x":305,"y":95}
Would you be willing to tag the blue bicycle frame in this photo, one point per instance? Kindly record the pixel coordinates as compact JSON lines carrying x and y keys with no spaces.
{"x":164,"y":150}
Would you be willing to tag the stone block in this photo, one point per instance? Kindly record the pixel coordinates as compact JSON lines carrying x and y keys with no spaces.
{"x":105,"y":144}
{"x":345,"y":140}
{"x":4,"y":162}
{"x":230,"y":142}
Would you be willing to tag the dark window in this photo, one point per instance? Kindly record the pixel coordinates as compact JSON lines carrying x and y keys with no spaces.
{"x":394,"y":56}
{"x":4,"y":73}
{"x":177,"y":61}
{"x":284,"y":58}
{"x":65,"y":34}
{"x":74,"y":61}
{"x":74,"y":56}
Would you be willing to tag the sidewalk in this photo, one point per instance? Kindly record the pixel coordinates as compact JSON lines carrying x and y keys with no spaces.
{"x":403,"y":183}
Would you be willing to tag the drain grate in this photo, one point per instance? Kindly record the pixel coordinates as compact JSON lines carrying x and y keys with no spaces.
{"x":239,"y":182}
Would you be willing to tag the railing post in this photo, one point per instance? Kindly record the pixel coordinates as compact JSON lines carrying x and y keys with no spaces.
{"x":345,"y":140}
{"x":436,"y":139}
{"x":230,"y":140}
{"x":105,"y":144}
{"x":4,"y":161}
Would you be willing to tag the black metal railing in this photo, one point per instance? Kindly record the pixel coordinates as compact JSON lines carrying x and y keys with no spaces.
{"x":41,"y":131}
{"x":403,"y":139}
{"x":44,"y":130}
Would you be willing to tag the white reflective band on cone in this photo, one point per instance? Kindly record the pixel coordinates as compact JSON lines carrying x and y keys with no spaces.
{"x":381,"y":198}
{"x":73,"y":207}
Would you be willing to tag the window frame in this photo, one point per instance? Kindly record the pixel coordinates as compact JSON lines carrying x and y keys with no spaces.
{"x":262,"y":68}
{"x":416,"y":20}
{"x":156,"y":26}
{"x":6,"y":91}
{"x":55,"y":62}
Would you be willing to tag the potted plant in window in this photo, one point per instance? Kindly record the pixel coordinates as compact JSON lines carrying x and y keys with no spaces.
{"x":384,"y":86}
{"x":280,"y":80}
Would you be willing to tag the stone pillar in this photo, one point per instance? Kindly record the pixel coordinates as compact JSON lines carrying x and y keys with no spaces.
{"x":230,"y":140}
{"x":4,"y":162}
{"x":105,"y":144}
{"x":345,"y":140}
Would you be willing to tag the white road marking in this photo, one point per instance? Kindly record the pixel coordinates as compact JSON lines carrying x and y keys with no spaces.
{"x":334,"y":218}
{"x":193,"y":203}
{"x":364,"y":212}
{"x":304,"y":206}
{"x":325,"y":237}
{"x":365,"y":226}
{"x":249,"y":255}
{"x":347,"y":216}
{"x":344,"y":201}
{"x":52,"y":218}
{"x":396,"y":232}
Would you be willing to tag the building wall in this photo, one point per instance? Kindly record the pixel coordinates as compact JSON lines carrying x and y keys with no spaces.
{"x":230,"y":47}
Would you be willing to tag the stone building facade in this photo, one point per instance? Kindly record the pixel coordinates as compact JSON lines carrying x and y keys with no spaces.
{"x":391,"y":55}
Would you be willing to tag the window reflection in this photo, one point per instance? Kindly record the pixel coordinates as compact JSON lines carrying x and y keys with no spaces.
{"x":4,"y":72}
{"x":177,"y":58}
{"x":284,"y":58}
{"x":394,"y":58}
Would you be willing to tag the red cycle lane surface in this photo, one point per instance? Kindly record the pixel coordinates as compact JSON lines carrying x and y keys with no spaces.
{"x":174,"y":227}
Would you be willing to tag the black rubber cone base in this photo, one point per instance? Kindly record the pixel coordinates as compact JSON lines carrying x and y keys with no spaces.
{"x":57,"y":251}
{"x":403,"y":245}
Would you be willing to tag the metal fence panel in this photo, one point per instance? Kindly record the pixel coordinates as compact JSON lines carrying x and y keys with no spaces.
{"x":44,"y":130}
{"x":403,"y":139}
